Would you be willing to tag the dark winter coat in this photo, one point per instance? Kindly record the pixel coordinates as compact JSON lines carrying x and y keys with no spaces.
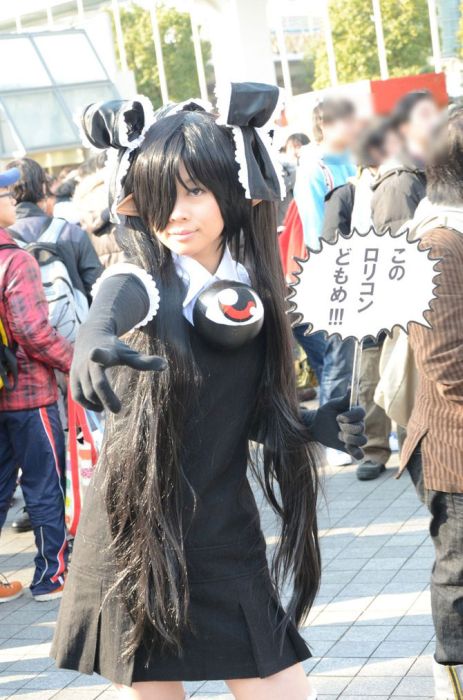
{"x":397,"y":193}
{"x":74,"y":245}
{"x":339,"y":204}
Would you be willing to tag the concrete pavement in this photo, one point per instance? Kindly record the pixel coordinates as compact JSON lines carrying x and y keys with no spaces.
{"x":370,"y":630}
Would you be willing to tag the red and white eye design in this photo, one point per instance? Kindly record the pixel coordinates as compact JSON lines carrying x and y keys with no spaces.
{"x":228,"y":314}
{"x":237,"y":305}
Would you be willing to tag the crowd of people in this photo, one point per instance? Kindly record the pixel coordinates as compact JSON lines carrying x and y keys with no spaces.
{"x":180,"y":410}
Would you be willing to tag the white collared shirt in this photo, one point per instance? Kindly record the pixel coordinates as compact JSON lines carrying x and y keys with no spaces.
{"x":197,"y":278}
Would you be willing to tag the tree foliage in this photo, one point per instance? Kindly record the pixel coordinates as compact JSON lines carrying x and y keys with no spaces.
{"x":177,"y":50}
{"x":406,"y":36}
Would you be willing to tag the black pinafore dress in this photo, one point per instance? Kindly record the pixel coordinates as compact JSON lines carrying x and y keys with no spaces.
{"x":234,"y":612}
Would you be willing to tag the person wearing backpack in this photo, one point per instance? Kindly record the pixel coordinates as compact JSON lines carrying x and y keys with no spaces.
{"x":31,"y":436}
{"x":69,"y":275}
{"x":32,"y":222}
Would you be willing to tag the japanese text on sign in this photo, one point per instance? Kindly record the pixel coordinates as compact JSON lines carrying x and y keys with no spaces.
{"x":365,"y":284}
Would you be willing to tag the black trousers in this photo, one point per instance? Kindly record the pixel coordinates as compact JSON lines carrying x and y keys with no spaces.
{"x":446,"y":530}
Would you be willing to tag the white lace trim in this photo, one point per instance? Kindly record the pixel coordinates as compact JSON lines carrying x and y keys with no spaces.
{"x":82,"y":135}
{"x":125,"y":268}
{"x":240,"y":157}
{"x":86,"y":143}
{"x":223,"y":98}
{"x":148,"y":118}
{"x":121,"y":168}
{"x":223,"y":94}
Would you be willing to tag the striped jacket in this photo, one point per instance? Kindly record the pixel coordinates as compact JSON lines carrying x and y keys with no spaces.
{"x":24,"y":313}
{"x":437,"y":417}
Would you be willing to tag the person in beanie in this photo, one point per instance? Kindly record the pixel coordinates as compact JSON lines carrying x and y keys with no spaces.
{"x":31,"y":436}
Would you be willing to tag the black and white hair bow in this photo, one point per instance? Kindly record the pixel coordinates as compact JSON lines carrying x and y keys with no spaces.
{"x":120,"y":126}
{"x":247,"y":109}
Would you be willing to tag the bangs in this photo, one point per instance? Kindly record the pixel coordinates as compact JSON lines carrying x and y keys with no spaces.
{"x":189,"y":139}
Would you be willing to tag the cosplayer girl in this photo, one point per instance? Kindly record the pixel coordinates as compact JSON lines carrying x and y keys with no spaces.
{"x":169,"y":580}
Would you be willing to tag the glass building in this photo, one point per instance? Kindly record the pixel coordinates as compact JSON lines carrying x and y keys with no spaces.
{"x":48,"y":77}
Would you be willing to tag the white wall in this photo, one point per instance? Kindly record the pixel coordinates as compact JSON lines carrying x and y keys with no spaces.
{"x":240,"y":37}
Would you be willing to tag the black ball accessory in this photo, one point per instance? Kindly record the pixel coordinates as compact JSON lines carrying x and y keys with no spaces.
{"x":228,"y":314}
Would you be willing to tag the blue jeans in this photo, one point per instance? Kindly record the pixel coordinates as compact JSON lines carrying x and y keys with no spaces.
{"x":331,"y":360}
{"x":34,"y":440}
{"x":313,"y":346}
{"x":337,"y":369}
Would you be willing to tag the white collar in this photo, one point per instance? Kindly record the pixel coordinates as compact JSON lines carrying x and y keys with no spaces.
{"x":198,"y":278}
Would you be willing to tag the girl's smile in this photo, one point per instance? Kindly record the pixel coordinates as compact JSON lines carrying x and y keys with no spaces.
{"x":195,"y":224}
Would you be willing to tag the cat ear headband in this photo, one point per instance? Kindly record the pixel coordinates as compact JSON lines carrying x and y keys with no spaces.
{"x":246,"y":108}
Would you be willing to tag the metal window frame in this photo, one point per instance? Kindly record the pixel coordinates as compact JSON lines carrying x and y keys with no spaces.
{"x":54,"y":87}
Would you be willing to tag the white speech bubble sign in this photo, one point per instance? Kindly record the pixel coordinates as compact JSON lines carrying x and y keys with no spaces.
{"x":364,"y":284}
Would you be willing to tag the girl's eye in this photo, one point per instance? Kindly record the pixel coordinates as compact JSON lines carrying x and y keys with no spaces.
{"x":196,"y":191}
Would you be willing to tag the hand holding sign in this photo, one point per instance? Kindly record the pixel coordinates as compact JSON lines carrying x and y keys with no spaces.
{"x":362,"y":285}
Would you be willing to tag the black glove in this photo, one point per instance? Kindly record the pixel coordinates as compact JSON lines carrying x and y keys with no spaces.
{"x":121,"y":303}
{"x":335,"y":425}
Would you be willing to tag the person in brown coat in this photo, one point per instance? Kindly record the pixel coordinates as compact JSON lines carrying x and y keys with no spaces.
{"x":433,"y":450}
{"x":91,"y":203}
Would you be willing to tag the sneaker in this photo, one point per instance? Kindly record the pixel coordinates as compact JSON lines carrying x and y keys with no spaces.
{"x":337,"y":458}
{"x":50,"y":595}
{"x":448,"y":681}
{"x":9,"y":590}
{"x":368,"y":470}
{"x":22,"y":522}
{"x":41,"y":593}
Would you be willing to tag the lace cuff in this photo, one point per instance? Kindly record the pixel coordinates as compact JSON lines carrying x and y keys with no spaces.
{"x":125,"y":268}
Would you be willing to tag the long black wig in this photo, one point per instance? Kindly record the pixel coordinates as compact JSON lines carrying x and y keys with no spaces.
{"x":143,"y":447}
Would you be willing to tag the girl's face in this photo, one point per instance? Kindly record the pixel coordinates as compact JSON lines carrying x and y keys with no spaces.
{"x":195,"y":225}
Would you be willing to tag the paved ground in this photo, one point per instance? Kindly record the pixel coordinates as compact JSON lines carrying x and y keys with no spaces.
{"x":371,"y":632}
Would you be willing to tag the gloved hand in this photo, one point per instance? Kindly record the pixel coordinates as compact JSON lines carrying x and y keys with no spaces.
{"x":336,"y":425}
{"x":121,"y":303}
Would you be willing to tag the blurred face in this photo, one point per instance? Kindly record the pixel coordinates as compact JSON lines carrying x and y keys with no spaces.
{"x":293,"y":150}
{"x":7,"y":208}
{"x":195,"y":225}
{"x":392,"y":144}
{"x":423,"y":120}
{"x":342,"y":133}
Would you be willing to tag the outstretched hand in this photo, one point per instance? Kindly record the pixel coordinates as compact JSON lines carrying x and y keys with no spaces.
{"x":90,"y":385}
{"x":340,"y":427}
